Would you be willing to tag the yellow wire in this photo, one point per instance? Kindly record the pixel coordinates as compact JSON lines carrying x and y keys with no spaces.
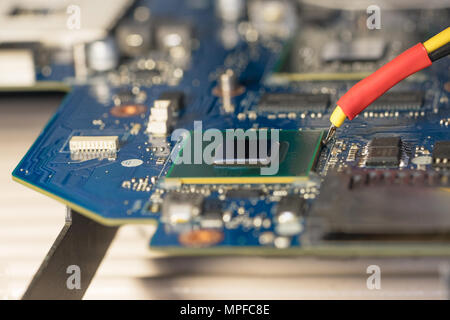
{"x":439,"y":40}
{"x":442,"y":38}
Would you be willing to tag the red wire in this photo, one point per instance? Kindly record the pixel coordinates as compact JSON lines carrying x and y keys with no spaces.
{"x":369,"y":89}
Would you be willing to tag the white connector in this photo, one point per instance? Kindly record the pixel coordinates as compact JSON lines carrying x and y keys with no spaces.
{"x":94,"y":144}
{"x":160,"y":117}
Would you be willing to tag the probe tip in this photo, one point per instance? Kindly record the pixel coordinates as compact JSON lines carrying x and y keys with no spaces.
{"x":330,"y":134}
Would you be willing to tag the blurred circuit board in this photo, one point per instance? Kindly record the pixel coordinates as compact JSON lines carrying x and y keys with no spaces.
{"x":107,"y":151}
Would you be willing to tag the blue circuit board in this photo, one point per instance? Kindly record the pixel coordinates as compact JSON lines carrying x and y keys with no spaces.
{"x":97,"y":187}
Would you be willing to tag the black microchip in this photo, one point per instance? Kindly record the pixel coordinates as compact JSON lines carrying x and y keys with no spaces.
{"x":384,"y":152}
{"x":398,"y":101}
{"x":124,"y":96}
{"x":212,"y":207}
{"x":441,"y":154}
{"x":212,"y":214}
{"x":385,"y":142}
{"x":293,"y":102}
{"x":291,"y":204}
{"x":176,"y":97}
{"x":384,"y":156}
{"x":244,"y":193}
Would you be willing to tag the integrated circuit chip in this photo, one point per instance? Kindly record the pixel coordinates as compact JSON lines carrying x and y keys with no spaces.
{"x":244,"y":193}
{"x":441,"y":154}
{"x":385,"y":142}
{"x":298,"y":161}
{"x":212,"y":214}
{"x":384,"y":152}
{"x":293,"y":102}
{"x":398,"y":101}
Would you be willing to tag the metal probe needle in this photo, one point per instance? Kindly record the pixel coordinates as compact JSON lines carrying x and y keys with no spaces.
{"x":330,"y":134}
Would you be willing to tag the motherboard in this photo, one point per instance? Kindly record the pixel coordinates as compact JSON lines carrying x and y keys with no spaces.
{"x":156,"y":81}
